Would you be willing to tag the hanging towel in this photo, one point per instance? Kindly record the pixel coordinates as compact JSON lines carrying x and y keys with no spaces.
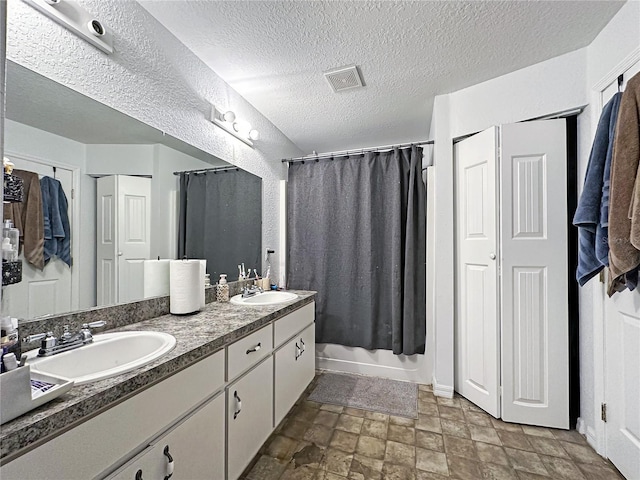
{"x":602,"y":234}
{"x":57,"y":231}
{"x":592,"y":237}
{"x":624,"y":203}
{"x":27,"y":218}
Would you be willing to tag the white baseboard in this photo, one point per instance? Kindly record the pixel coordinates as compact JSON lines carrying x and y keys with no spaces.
{"x":590,"y":435}
{"x":377,"y":363}
{"x":592,"y":439}
{"x":440,"y":390}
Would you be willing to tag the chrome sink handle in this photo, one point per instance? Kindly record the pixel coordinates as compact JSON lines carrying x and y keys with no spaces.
{"x":97,"y":324}
{"x":37,"y":336}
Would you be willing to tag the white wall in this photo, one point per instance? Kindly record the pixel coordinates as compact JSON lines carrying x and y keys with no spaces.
{"x":548,"y":87}
{"x":117,"y":159}
{"x":152,"y":77}
{"x":557,"y":84}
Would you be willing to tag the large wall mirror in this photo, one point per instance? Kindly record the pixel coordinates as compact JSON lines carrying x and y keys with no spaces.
{"x":53,"y":131}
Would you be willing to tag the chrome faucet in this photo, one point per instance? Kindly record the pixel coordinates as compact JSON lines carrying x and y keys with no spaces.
{"x":250,"y":291}
{"x":67,"y":341}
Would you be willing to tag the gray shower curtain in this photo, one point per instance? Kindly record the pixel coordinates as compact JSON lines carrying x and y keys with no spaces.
{"x":221,"y":220}
{"x":356,"y":234}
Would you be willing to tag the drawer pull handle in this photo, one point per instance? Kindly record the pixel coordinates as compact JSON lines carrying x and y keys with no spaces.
{"x":238,"y":405}
{"x":254,"y":349}
{"x":169,"y":463}
{"x":138,"y":475}
{"x":298,"y":352}
{"x":302,"y":343}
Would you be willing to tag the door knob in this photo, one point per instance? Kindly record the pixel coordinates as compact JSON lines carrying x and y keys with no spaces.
{"x":492,"y":256}
{"x":119,"y":254}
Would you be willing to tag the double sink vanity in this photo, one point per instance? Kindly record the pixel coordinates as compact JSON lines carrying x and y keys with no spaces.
{"x":190,"y":397}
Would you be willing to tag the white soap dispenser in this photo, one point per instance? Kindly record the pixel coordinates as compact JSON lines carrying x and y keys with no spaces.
{"x":222,"y":289}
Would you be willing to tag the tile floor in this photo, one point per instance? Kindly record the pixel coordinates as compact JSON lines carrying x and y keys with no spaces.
{"x":451,"y":438}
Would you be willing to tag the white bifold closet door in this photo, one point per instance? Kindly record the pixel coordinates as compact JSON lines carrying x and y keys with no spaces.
{"x":512,"y":355}
{"x":123,"y":237}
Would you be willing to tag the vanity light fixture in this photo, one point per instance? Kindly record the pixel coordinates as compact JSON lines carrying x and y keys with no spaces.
{"x":74,"y":17}
{"x":238,"y":128}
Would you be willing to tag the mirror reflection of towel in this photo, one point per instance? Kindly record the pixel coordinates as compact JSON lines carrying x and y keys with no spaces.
{"x":27,"y":218}
{"x":57,"y":231}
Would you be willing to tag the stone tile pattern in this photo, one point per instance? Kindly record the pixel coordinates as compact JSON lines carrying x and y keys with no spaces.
{"x":197,"y":336}
{"x":452,"y":438}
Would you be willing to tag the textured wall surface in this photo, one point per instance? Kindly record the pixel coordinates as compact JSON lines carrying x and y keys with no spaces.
{"x":155,"y":79}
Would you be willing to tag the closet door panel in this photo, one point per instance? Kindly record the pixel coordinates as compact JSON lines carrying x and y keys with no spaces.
{"x":477,"y":326}
{"x":534,"y":286}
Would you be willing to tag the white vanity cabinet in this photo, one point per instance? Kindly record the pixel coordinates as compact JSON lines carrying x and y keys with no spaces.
{"x":95,"y":448}
{"x":192,"y":449}
{"x":249,"y":416}
{"x":213,"y":416}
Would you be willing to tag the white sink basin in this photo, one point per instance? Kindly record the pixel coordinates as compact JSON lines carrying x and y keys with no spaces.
{"x":108,"y":355}
{"x":266,"y":298}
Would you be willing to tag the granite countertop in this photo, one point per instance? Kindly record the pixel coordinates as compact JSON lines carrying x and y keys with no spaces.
{"x":197,"y":336}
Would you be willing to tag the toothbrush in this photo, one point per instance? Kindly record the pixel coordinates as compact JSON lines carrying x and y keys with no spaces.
{"x":255,"y":273}
{"x":244,"y":275}
{"x":239,"y":272}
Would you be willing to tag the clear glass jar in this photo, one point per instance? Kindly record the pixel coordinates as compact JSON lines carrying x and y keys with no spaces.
{"x":10,"y":241}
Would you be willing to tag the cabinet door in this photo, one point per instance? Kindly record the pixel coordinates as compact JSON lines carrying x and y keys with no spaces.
{"x":192,"y":449}
{"x":249,"y":416}
{"x":294,"y":370}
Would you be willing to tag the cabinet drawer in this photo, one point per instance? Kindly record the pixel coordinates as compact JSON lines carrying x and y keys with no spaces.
{"x":196,"y":446}
{"x":249,"y":416}
{"x":288,"y":326}
{"x":295,"y":365}
{"x":248,"y":351}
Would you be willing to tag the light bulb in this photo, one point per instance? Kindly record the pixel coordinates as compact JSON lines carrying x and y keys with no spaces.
{"x":254,"y":134}
{"x":242,"y":127}
{"x":229,"y":116}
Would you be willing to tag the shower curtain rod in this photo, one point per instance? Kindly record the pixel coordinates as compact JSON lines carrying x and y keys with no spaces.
{"x":213,"y":169}
{"x":318,"y":156}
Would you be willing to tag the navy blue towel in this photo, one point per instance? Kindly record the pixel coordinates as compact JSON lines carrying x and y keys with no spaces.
{"x":591,"y":216}
{"x":57,"y":230}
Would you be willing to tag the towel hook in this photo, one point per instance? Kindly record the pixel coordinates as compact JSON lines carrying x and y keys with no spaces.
{"x":54,"y":172}
{"x":620,"y":80}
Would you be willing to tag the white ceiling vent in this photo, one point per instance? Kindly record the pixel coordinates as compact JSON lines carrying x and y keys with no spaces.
{"x":344,"y":78}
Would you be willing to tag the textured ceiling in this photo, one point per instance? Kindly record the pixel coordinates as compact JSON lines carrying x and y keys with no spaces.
{"x":41,"y":103}
{"x":274,"y":53}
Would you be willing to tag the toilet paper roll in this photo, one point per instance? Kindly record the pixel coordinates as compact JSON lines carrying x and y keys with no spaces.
{"x":203,"y":271}
{"x":185,"y":286}
{"x":156,"y":278}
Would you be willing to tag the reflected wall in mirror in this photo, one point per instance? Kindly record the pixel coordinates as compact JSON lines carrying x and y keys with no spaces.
{"x":54,"y":131}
